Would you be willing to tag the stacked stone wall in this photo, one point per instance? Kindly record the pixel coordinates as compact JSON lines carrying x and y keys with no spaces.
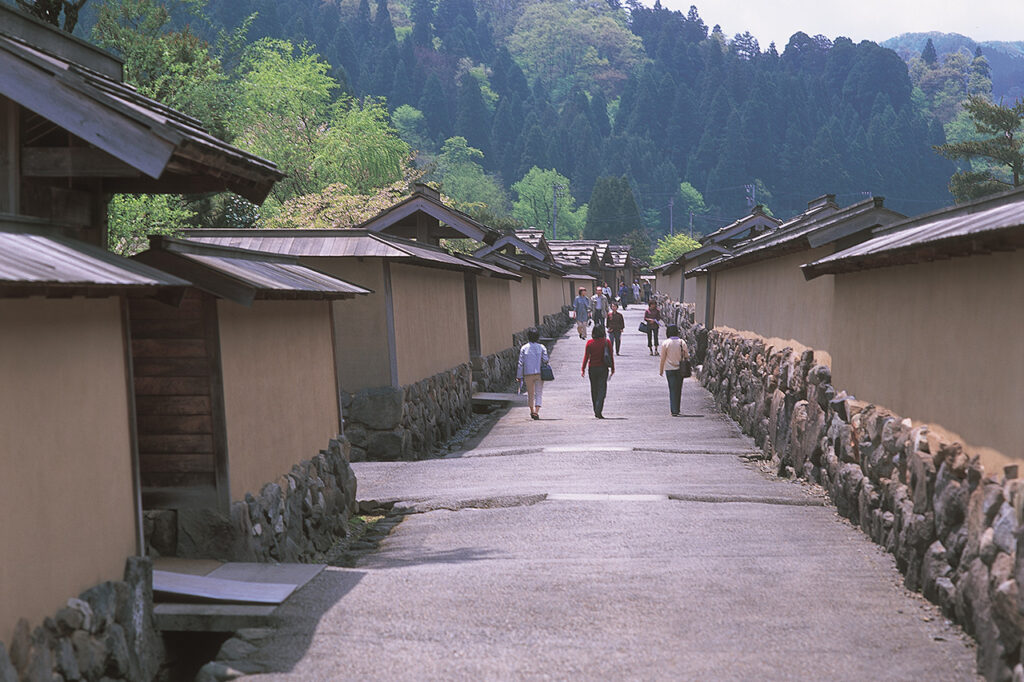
{"x":408,"y":423}
{"x":106,"y":633}
{"x":953,"y":528}
{"x":296,"y":518}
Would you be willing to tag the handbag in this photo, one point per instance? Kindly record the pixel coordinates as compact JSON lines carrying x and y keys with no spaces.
{"x":643,"y":328}
{"x":684,"y":368}
{"x":545,"y":373}
{"x":608,"y":353}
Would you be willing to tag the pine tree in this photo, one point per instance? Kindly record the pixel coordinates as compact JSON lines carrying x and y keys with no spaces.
{"x":473,"y":120}
{"x":1004,"y":147}
{"x":928,"y":53}
{"x":422,"y":18}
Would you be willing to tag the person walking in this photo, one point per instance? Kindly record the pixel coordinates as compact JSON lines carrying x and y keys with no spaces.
{"x":581,"y":309}
{"x":532,"y":355}
{"x":647,"y":291}
{"x":615,"y":324}
{"x":598,"y":354}
{"x":624,"y":295}
{"x":599,"y":305}
{"x":652,"y":318}
{"x":673,"y":353}
{"x":636,"y":292}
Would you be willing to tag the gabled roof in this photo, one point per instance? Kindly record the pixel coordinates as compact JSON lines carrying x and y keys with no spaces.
{"x":34,"y":262}
{"x":514,"y":242}
{"x":580,"y":252}
{"x":533,"y":237}
{"x":809,"y":230}
{"x":989,"y":224}
{"x":342,"y":243}
{"x":154,"y":147}
{"x":619,"y":254}
{"x":242,"y":275}
{"x":423,"y":216}
{"x":742,"y":228}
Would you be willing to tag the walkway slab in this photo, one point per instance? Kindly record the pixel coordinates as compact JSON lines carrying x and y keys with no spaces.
{"x":640,"y":546}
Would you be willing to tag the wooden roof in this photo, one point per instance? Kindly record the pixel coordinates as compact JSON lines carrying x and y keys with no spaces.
{"x":351,"y":243}
{"x":134,"y":143}
{"x":424,"y":217}
{"x":242,"y":275}
{"x":979,"y":227}
{"x":34,"y":263}
{"x":809,"y":230}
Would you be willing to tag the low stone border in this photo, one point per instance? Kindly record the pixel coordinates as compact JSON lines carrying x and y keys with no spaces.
{"x":952,"y":527}
{"x":106,"y":633}
{"x":295,"y":519}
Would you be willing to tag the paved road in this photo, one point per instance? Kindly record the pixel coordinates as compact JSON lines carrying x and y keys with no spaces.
{"x":637,"y":547}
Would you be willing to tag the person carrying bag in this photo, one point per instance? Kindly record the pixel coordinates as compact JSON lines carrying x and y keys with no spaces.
{"x":674,"y":366}
{"x":533,"y":358}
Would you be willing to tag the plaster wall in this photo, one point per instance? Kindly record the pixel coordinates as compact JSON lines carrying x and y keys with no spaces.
{"x":494,"y":306}
{"x":550,"y":295}
{"x":281,"y":404}
{"x":771,"y":298}
{"x":360,"y":324}
{"x":65,"y":454}
{"x":937,"y":342}
{"x":521,"y":303}
{"x":430,"y":321}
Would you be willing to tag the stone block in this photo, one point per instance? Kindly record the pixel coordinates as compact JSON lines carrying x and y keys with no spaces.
{"x":379,"y":408}
{"x":205,"y":533}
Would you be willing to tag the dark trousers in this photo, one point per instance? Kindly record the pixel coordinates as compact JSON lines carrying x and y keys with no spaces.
{"x":616,"y":336}
{"x":652,"y":333}
{"x":675,"y":388}
{"x":598,"y":387}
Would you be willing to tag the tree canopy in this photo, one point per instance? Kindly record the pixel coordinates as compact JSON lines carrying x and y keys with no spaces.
{"x":1001,"y":143}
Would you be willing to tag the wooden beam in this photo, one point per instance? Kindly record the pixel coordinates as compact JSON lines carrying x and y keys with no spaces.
{"x":56,"y":101}
{"x":218,"y":410}
{"x":73,"y":162}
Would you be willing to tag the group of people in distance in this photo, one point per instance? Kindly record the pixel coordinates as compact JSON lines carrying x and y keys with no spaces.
{"x":605,"y":343}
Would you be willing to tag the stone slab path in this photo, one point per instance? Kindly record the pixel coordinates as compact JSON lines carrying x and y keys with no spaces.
{"x":638,"y":547}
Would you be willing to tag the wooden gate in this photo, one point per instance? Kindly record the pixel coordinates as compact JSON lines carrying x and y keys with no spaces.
{"x":179,"y":403}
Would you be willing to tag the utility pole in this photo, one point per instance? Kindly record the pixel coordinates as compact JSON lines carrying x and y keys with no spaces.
{"x":671,"y":227}
{"x":554,"y":210}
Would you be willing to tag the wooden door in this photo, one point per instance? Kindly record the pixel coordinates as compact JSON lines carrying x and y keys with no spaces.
{"x":179,"y":403}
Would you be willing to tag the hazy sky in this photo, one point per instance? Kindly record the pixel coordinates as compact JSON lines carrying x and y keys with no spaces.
{"x":858,"y":20}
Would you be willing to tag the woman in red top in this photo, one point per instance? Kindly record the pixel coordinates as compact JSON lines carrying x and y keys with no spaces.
{"x":599,"y":356}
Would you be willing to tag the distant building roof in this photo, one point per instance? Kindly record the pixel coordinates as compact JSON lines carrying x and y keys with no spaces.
{"x":989,"y":224}
{"x":405,"y":219}
{"x":340,"y":244}
{"x":620,"y":255}
{"x":35,"y":263}
{"x":810,"y":229}
{"x":159,"y":149}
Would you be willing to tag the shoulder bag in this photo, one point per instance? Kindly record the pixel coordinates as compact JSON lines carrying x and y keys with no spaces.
{"x":545,"y":372}
{"x":643,"y":328}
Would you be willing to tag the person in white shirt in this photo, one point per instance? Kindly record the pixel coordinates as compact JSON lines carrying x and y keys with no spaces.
{"x":673,"y":353}
{"x":531,"y":356}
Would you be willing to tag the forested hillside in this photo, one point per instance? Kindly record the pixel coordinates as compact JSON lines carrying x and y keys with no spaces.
{"x":583,"y":89}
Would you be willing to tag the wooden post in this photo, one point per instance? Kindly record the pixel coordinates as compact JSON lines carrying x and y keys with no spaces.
{"x":10,"y":149}
{"x":389,"y":314}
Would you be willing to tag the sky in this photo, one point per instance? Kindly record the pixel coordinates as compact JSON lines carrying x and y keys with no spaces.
{"x":877,"y":20}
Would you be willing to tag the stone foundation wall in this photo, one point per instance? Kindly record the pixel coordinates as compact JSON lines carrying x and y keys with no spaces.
{"x":407,"y":423}
{"x":294,"y":519}
{"x":106,"y":633}
{"x":952,"y":527}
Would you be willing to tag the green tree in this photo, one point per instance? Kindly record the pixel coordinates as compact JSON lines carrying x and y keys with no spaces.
{"x":534,"y":204}
{"x":672,"y":246}
{"x":612,"y":210}
{"x":1002,"y":144}
{"x":283,"y":111}
{"x":132,"y":217}
{"x":928,"y":53}
{"x":412,"y":127}
{"x":641,"y":244}
{"x":690,"y":201}
{"x":464,"y":179}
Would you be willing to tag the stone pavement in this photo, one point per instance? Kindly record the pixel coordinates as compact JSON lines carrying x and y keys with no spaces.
{"x":641,"y":546}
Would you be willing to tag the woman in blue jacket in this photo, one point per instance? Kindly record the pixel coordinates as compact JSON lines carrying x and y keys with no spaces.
{"x":531,"y":356}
